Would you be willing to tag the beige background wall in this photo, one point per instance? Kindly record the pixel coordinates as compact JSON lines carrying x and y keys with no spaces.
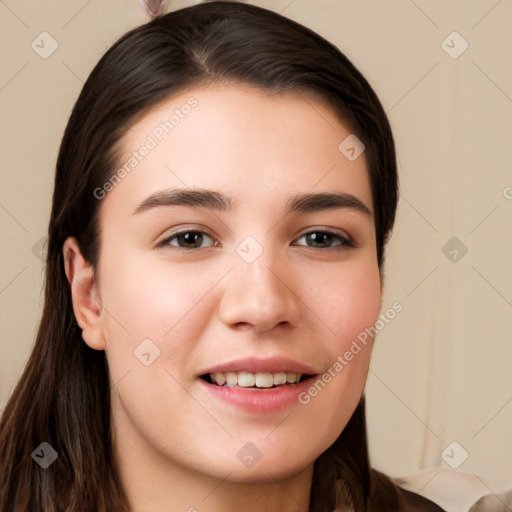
{"x":441,"y":370}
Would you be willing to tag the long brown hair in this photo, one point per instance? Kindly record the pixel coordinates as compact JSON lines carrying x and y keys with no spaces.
{"x":63,"y":394}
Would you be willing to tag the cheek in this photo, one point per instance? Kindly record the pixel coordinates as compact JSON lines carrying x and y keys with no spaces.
{"x":350,"y":307}
{"x":153,"y":317}
{"x":156,"y":301}
{"x":350,"y":302}
{"x":150,"y":300}
{"x":360,"y":305}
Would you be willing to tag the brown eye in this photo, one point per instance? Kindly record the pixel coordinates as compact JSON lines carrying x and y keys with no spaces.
{"x":319,"y":239}
{"x":185,"y":239}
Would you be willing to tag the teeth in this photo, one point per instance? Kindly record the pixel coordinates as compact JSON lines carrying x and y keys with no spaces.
{"x":246,"y":379}
{"x":258,"y":380}
{"x":292,"y":377}
{"x":219,"y":378}
{"x":264,"y":380}
{"x":279,"y":378}
{"x":231,"y":379}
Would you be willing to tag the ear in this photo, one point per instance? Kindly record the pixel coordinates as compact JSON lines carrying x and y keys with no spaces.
{"x":84,"y":293}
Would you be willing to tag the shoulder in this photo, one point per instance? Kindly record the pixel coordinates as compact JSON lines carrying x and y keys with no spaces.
{"x":387,"y":496}
{"x":419,"y":503}
{"x":494,"y":503}
{"x":459,"y":490}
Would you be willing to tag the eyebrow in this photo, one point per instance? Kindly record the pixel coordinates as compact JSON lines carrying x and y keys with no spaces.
{"x":213,"y":200}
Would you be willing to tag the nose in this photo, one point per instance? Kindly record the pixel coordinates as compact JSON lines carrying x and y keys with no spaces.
{"x":260,"y":296}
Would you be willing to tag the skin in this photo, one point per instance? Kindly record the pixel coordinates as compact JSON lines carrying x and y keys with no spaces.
{"x":175,"y":446}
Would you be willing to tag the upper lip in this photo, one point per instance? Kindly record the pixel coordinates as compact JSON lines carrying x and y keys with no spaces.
{"x":258,"y":365}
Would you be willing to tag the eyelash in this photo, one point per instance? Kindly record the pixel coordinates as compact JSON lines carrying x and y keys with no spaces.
{"x":344,"y":241}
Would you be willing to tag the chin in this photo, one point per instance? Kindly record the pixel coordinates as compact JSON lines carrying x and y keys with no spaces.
{"x":267,"y":472}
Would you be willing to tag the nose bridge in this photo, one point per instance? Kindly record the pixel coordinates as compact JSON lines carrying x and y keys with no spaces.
{"x":257,"y":290}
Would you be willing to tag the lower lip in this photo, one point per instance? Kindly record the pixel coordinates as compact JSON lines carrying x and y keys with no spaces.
{"x":264,"y":401}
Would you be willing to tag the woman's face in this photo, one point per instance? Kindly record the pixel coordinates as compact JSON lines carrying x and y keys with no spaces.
{"x":263,"y":287}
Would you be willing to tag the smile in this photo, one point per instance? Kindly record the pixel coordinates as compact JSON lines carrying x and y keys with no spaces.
{"x":259,"y":380}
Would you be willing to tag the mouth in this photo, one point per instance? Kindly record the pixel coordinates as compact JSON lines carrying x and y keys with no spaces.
{"x":259,"y":381}
{"x":256,"y":385}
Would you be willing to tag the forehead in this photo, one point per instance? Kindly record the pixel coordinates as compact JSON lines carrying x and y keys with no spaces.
{"x":240,"y":139}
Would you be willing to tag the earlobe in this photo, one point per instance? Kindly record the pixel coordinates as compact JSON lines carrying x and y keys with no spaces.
{"x":84,"y":293}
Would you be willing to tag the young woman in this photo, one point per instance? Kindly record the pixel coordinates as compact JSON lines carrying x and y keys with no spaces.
{"x":225,"y":188}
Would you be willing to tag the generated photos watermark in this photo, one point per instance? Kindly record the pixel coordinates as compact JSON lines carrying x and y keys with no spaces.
{"x":354,"y":349}
{"x":152,"y":140}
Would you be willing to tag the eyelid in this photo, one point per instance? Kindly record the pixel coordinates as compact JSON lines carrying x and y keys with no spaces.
{"x":343,"y":236}
{"x":331,"y":231}
{"x":194,"y":229}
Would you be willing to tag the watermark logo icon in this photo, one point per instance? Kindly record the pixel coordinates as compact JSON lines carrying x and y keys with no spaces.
{"x":146,"y":352}
{"x":351,"y":147}
{"x":454,"y":455}
{"x":454,"y":45}
{"x":454,"y":249}
{"x":249,"y":249}
{"x":249,"y":455}
{"x":44,"y":45}
{"x":40,"y":249}
{"x":45,"y":455}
